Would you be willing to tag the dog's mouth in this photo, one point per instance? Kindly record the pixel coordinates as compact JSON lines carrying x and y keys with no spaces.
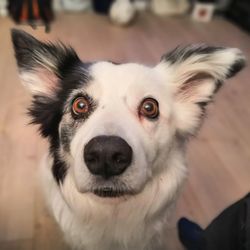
{"x":110,"y":192}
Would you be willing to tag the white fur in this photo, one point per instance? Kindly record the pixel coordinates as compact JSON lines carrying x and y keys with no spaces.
{"x":41,"y":82}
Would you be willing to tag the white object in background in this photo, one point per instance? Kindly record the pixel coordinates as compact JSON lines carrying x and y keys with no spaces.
{"x":122,"y":12}
{"x":3,"y":8}
{"x":76,"y":5}
{"x":203,"y":12}
{"x":57,"y":5}
{"x":141,"y":5}
{"x":169,"y":7}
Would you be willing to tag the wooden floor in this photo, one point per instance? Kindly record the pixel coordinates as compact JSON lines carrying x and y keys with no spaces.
{"x":219,"y":158}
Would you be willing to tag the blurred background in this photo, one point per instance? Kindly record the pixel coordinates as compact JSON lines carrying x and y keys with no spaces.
{"x":121,"y":31}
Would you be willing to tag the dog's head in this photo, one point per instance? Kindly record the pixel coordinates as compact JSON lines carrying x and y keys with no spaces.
{"x":112,"y":127}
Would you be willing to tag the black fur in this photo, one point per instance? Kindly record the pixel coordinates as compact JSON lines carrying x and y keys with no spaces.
{"x":218,"y":85}
{"x":115,"y":63}
{"x":66,"y":135}
{"x":236,"y":67}
{"x":180,"y":54}
{"x":27,"y":51}
{"x":59,"y":168}
{"x":47,"y":111}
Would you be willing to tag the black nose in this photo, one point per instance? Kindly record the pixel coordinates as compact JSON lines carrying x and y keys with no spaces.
{"x":107,"y":155}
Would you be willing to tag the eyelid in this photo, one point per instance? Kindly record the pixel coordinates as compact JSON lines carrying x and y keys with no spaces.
{"x":84,"y":95}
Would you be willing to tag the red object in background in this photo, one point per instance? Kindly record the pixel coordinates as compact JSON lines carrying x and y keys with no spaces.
{"x":35,"y":9}
{"x":31,"y":11}
{"x":24,"y":12}
{"x":202,"y":12}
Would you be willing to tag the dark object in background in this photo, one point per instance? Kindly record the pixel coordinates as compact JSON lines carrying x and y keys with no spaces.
{"x":239,"y":13}
{"x":229,"y":231}
{"x":103,"y":6}
{"x":207,"y":1}
{"x":190,"y":234}
{"x":31,"y":12}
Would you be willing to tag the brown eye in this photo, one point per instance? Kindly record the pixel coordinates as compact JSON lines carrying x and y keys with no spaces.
{"x":80,"y":106}
{"x":149,"y":108}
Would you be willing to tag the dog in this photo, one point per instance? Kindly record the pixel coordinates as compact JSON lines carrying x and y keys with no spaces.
{"x":117,"y":135}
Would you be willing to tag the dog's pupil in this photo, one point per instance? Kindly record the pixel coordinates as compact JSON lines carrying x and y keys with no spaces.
{"x":149,"y":107}
{"x":81,"y":105}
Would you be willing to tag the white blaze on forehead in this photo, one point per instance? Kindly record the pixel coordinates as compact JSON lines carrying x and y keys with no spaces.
{"x":125,"y":81}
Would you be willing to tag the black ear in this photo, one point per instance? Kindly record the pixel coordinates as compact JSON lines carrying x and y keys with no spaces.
{"x":41,"y":64}
{"x":43,"y":68}
{"x":25,"y":46}
{"x":195,"y":73}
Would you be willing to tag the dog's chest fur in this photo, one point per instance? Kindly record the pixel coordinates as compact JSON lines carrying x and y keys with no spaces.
{"x":138,"y":225}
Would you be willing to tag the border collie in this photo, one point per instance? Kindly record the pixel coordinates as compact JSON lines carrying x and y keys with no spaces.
{"x":118,"y":134}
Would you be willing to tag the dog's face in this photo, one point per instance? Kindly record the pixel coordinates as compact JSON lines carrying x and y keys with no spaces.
{"x":112,"y":127}
{"x":125,"y":128}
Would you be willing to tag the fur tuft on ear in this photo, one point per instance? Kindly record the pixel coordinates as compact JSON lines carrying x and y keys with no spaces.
{"x":195,"y":73}
{"x":41,"y":65}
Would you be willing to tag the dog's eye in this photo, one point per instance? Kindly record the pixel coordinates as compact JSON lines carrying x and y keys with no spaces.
{"x":149,"y":108}
{"x":80,"y":106}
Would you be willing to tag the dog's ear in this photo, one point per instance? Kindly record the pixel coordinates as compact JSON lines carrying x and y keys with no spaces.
{"x":40,"y":64}
{"x":43,"y":68}
{"x":195,"y":73}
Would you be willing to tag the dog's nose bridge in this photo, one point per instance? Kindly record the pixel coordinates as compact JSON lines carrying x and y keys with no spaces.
{"x":110,"y":120}
{"x":113,"y":120}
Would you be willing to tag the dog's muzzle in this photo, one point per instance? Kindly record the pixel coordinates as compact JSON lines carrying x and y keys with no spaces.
{"x":107,"y":156}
